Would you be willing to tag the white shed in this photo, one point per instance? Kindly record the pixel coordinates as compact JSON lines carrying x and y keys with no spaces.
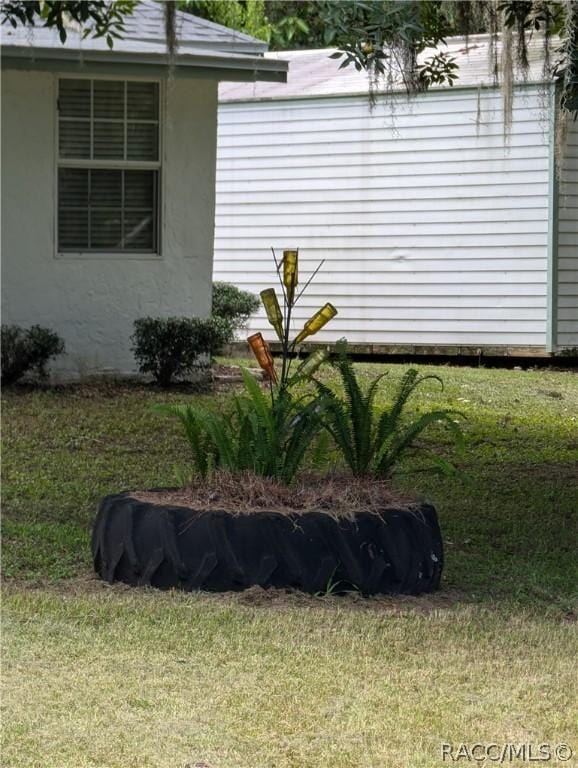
{"x":439,"y":234}
{"x":108,"y":177}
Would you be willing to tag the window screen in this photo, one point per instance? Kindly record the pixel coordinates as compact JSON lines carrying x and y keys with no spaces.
{"x":108,"y":176}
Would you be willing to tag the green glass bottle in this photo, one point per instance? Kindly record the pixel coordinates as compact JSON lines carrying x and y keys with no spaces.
{"x":312,"y":363}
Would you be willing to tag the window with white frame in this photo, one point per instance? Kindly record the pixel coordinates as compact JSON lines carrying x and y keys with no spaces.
{"x":108,"y":166}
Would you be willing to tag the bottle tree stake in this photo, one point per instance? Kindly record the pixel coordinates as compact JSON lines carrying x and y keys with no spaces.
{"x":280,"y":319}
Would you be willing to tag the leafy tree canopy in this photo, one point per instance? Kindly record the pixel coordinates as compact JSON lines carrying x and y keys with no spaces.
{"x":385,"y":37}
{"x":243,"y":15}
{"x":98,"y":18}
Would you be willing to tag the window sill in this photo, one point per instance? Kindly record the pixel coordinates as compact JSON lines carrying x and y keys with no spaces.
{"x":116,"y":256}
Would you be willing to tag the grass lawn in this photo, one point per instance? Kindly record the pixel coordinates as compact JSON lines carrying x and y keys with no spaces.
{"x":107,"y":677}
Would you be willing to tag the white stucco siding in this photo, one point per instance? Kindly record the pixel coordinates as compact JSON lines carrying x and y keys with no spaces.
{"x":434,"y":230}
{"x":93,"y":300}
{"x":568,"y":243}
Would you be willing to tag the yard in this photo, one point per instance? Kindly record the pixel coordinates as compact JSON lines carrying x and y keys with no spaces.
{"x":106,"y":677}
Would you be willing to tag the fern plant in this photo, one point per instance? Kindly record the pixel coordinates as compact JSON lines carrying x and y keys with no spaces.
{"x":269,"y":436}
{"x":372,"y":442}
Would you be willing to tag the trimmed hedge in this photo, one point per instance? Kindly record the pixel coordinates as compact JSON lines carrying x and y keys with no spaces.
{"x":26,"y":350}
{"x":170,"y":348}
{"x":233,"y":305}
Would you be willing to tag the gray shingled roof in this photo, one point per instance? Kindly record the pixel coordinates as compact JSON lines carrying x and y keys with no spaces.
{"x":147,"y":23}
{"x":199,"y":43}
{"x":313,"y":74}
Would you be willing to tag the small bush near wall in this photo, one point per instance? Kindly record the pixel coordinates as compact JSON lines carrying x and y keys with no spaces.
{"x":233,"y":305}
{"x":28,"y":350}
{"x":169,"y":348}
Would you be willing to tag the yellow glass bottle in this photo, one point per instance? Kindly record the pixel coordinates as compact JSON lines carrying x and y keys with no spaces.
{"x":273,"y":310}
{"x":316,"y":323}
{"x":290,"y":273}
{"x":263,"y":354}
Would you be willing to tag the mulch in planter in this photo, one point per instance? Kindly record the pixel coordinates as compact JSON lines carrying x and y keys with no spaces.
{"x":324,"y":534}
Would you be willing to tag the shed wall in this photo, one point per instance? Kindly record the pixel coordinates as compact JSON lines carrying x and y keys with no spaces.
{"x":92,"y":300}
{"x":434,"y":230}
{"x":568,"y":244}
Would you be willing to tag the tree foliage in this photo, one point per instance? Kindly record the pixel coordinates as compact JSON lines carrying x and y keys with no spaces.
{"x":97,"y":18}
{"x":246,"y":16}
{"x":385,"y":38}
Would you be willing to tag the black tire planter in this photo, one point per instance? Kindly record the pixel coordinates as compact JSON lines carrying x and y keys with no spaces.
{"x":398,"y":551}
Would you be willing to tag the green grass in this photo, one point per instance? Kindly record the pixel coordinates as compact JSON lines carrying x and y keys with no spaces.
{"x":507,"y":518}
{"x":118,"y":679}
{"x":109,"y":677}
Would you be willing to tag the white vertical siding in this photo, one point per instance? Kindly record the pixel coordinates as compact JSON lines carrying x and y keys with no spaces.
{"x":433,"y":229}
{"x":568,"y":244}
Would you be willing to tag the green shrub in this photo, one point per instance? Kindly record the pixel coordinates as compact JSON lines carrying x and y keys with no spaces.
{"x":269,"y":436}
{"x":233,"y":306}
{"x":169,"y":348}
{"x":27,"y":350}
{"x":371,"y":441}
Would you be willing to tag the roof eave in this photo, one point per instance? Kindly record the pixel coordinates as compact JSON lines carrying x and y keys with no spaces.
{"x":223,"y":65}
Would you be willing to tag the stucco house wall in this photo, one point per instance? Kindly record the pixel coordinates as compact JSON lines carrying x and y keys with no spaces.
{"x":92,"y":300}
{"x":158,"y":213}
